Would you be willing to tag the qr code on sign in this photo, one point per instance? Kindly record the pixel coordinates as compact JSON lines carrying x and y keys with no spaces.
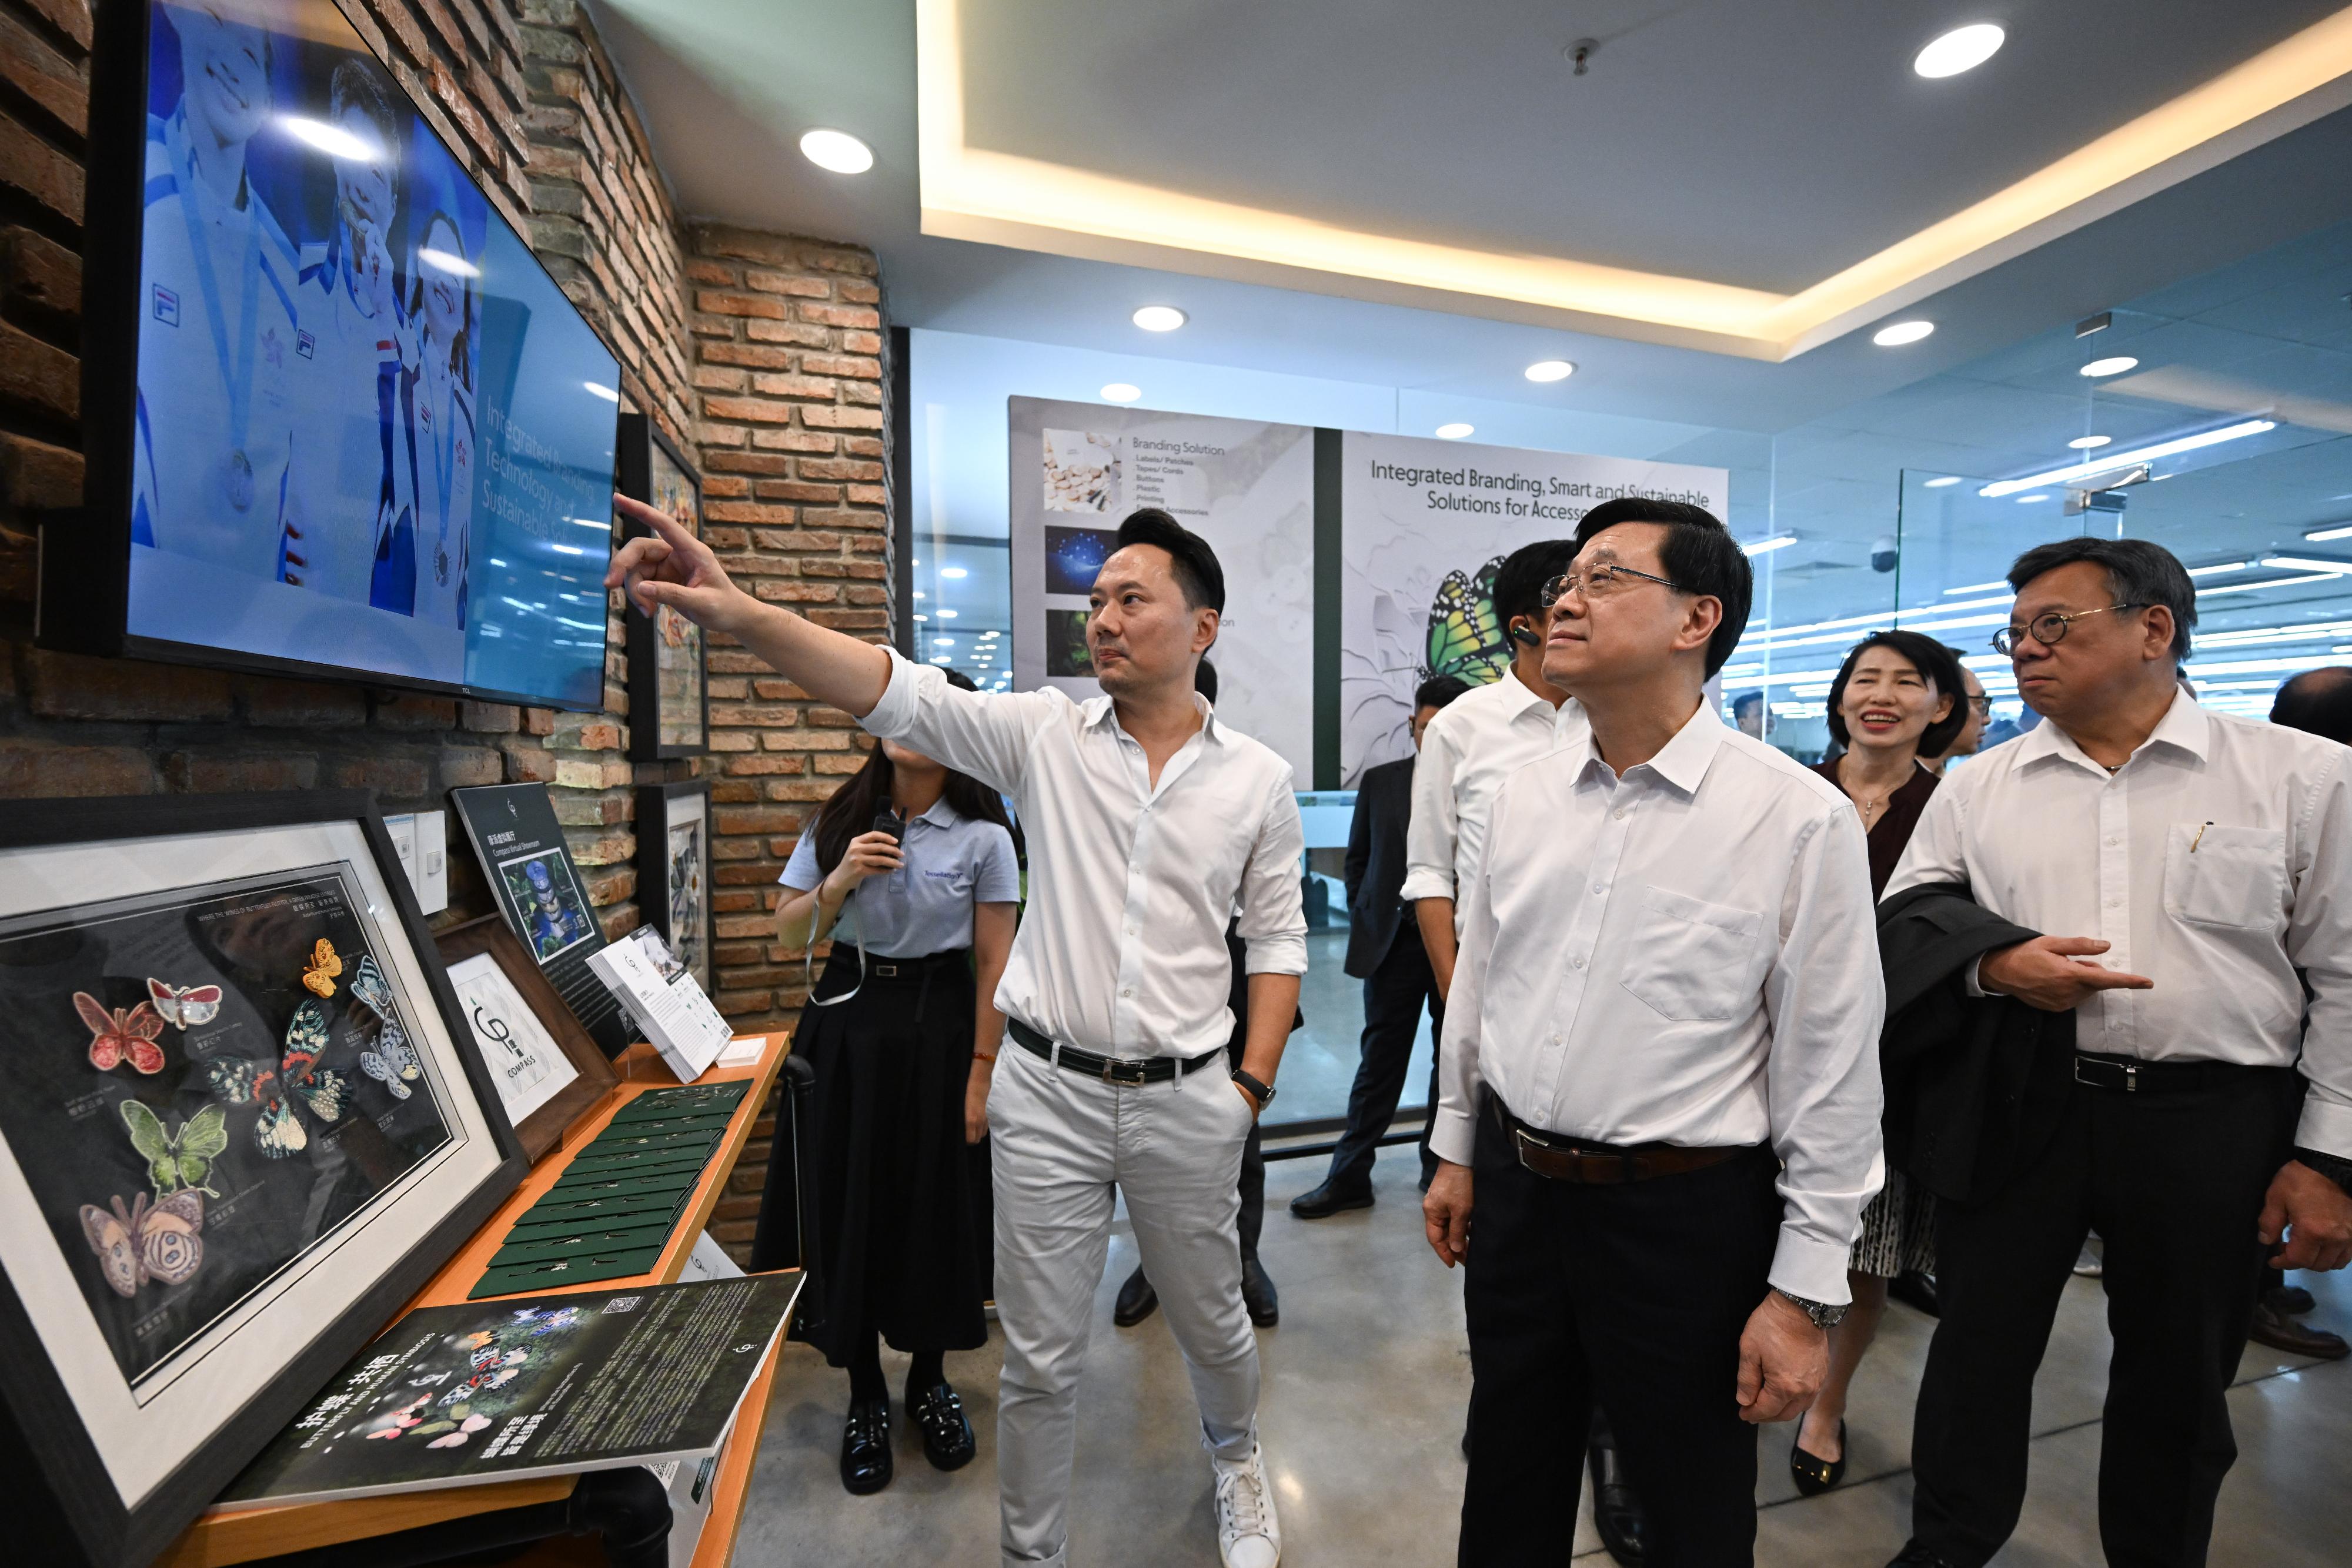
{"x":623,"y":1304}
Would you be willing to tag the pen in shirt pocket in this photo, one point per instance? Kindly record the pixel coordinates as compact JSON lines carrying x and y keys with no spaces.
{"x":2199,"y":839}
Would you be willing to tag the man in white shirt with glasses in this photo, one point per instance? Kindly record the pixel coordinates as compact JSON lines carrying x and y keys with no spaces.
{"x":1149,"y":823}
{"x":1659,"y":1119}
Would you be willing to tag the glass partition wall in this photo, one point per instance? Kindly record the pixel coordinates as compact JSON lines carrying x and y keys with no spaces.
{"x":2211,"y":417}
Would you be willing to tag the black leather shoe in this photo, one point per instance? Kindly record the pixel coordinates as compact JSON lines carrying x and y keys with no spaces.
{"x":1136,"y":1300}
{"x":938,"y":1414}
{"x":1918,"y":1556}
{"x":865,"y":1447}
{"x":1325,"y":1201}
{"x":1258,"y":1294}
{"x":1813,"y":1474}
{"x":1616,"y":1512}
{"x":2292,"y":1299}
{"x":1916,"y":1290}
{"x":2281,"y":1332}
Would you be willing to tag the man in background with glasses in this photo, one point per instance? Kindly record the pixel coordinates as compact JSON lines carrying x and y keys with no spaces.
{"x":2184,"y":865}
{"x":1660,"y":1069}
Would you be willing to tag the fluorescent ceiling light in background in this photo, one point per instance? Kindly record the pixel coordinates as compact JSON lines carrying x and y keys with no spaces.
{"x":953,"y":572}
{"x":1550,"y":371}
{"x":1901,"y":332}
{"x":1159,"y":318}
{"x":2339,"y":531}
{"x":2269,"y":582}
{"x":2114,"y":365}
{"x":332,"y":140}
{"x":2088,"y":443}
{"x":1765,"y":547}
{"x":837,"y":151}
{"x":2218,"y":568}
{"x":1979,"y":586}
{"x":607,"y":393}
{"x":2023,"y":500}
{"x":1947,"y":479}
{"x":447,"y":261}
{"x":2305,"y":563}
{"x":1121,"y":392}
{"x":942,"y":642}
{"x":2127,"y":459}
{"x":1455,"y":431}
{"x":947,"y":614}
{"x":1962,"y":49}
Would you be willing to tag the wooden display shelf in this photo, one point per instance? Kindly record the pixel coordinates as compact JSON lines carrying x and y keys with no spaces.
{"x":242,"y":1535}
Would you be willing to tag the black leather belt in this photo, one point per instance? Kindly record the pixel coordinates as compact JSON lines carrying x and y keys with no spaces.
{"x":1554,"y":1158}
{"x":2130,"y":1075}
{"x":903,"y":970}
{"x":1125,"y":1073}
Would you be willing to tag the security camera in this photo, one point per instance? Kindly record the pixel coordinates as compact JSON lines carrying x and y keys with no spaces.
{"x":1883,"y":553}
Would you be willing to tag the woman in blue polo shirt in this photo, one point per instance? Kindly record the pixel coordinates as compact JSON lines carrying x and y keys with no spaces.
{"x":903,"y":1042}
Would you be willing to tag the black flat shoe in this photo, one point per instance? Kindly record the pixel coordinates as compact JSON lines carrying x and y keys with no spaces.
{"x":1323,"y":1202}
{"x":1136,"y":1300}
{"x":938,"y":1414}
{"x":1616,"y":1509}
{"x":865,"y":1447}
{"x":1812,"y":1474}
{"x":1259,"y":1296}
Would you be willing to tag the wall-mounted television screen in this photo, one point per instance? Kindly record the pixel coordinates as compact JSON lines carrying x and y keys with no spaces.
{"x":339,"y":418}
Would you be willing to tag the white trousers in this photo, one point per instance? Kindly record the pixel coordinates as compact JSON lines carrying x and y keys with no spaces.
{"x":1061,"y":1141}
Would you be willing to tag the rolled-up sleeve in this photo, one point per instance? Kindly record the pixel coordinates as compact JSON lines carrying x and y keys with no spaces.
{"x":2319,"y":943}
{"x":1826,"y":998}
{"x":984,"y":734}
{"x":1432,"y":831}
{"x":1453,"y":1127}
{"x":1274,"y":912}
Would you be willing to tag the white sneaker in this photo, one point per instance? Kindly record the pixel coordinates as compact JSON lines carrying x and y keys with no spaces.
{"x":1247,"y":1534}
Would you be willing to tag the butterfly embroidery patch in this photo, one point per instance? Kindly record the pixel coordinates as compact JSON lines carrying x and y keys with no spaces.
{"x":146,"y":1241}
{"x":393,"y":1062}
{"x":320,"y":974}
{"x":184,"y":1006}
{"x":241,"y":1081}
{"x":122,"y":1034}
{"x":178,"y":1157}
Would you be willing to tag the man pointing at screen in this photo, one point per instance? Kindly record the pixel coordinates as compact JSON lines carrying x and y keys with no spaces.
{"x":1148,"y":822}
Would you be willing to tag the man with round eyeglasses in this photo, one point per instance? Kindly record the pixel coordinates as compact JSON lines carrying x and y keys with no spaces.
{"x":2183,"y":866}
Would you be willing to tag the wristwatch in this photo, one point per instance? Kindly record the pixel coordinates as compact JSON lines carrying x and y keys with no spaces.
{"x":1824,"y":1316}
{"x":1260,"y":1093}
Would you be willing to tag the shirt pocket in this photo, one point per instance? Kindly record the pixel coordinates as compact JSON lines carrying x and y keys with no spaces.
{"x":2215,"y":875}
{"x":1690,"y":960}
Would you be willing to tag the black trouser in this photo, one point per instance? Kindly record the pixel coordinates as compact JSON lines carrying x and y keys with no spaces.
{"x":1632,"y":1296}
{"x":1394,"y":993}
{"x":2173,"y":1182}
{"x":1253,"y":1183}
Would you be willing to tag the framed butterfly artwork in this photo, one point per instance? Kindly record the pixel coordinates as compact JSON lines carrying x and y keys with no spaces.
{"x":674,"y":871}
{"x":670,"y":698}
{"x":242,"y":1122}
{"x":548,"y":1071}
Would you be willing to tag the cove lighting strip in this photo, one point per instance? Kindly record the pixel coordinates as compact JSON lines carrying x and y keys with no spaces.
{"x":2137,"y":455}
{"x":977,"y":193}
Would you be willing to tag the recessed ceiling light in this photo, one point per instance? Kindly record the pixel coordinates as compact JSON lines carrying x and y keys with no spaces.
{"x":1158,"y":319}
{"x":922,"y":618}
{"x":1121,"y":392}
{"x":941,"y":659}
{"x":2029,"y":500}
{"x":953,"y":572}
{"x":1455,"y":431}
{"x":1962,"y":49}
{"x":2084,"y":443}
{"x":1550,"y":371}
{"x":837,"y":151}
{"x":942,"y":642}
{"x":1947,"y":479}
{"x":1901,"y":332}
{"x":2114,"y":365}
{"x":947,"y":614}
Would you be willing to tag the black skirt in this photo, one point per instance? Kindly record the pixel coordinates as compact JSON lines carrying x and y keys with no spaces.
{"x":892,"y":1188}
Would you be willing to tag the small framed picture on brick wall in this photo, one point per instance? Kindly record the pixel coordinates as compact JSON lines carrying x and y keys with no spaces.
{"x":670,"y":698}
{"x":674,"y":870}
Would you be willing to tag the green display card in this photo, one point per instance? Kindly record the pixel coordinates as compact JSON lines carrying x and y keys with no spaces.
{"x":679,"y":1101}
{"x":564,"y":1272}
{"x":559,"y":1209}
{"x":589,"y":1242}
{"x":582,"y":1184}
{"x":617,"y":1160}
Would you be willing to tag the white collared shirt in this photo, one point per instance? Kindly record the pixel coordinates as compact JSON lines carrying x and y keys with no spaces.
{"x":1685,"y":955}
{"x":2216,"y":862}
{"x":1123,"y":950}
{"x":1478,"y":740}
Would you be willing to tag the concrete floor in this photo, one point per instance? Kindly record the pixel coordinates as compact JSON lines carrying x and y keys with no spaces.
{"x":1365,"y":1383}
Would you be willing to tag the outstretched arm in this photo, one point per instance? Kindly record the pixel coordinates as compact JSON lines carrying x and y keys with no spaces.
{"x":673,"y":568}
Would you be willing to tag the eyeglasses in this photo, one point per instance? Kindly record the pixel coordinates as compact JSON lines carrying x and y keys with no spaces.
{"x":1983,"y":706}
{"x":1598,"y":582}
{"x":2049,"y":630}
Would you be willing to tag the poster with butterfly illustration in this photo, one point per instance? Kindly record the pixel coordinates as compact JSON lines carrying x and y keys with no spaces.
{"x":1424,"y":527}
{"x":236,"y":1131}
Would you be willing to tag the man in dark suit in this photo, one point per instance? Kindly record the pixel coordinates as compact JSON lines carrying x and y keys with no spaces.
{"x":1384,"y":951}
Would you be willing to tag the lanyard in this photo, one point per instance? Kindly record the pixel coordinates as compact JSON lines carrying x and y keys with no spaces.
{"x":240,"y":380}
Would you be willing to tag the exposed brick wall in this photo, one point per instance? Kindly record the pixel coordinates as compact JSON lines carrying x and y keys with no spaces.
{"x":789,"y":377}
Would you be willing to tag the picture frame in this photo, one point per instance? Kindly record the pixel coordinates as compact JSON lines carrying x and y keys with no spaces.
{"x":674,"y":871}
{"x":495,"y":1034}
{"x":290,"y":1082}
{"x":669,"y":688}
